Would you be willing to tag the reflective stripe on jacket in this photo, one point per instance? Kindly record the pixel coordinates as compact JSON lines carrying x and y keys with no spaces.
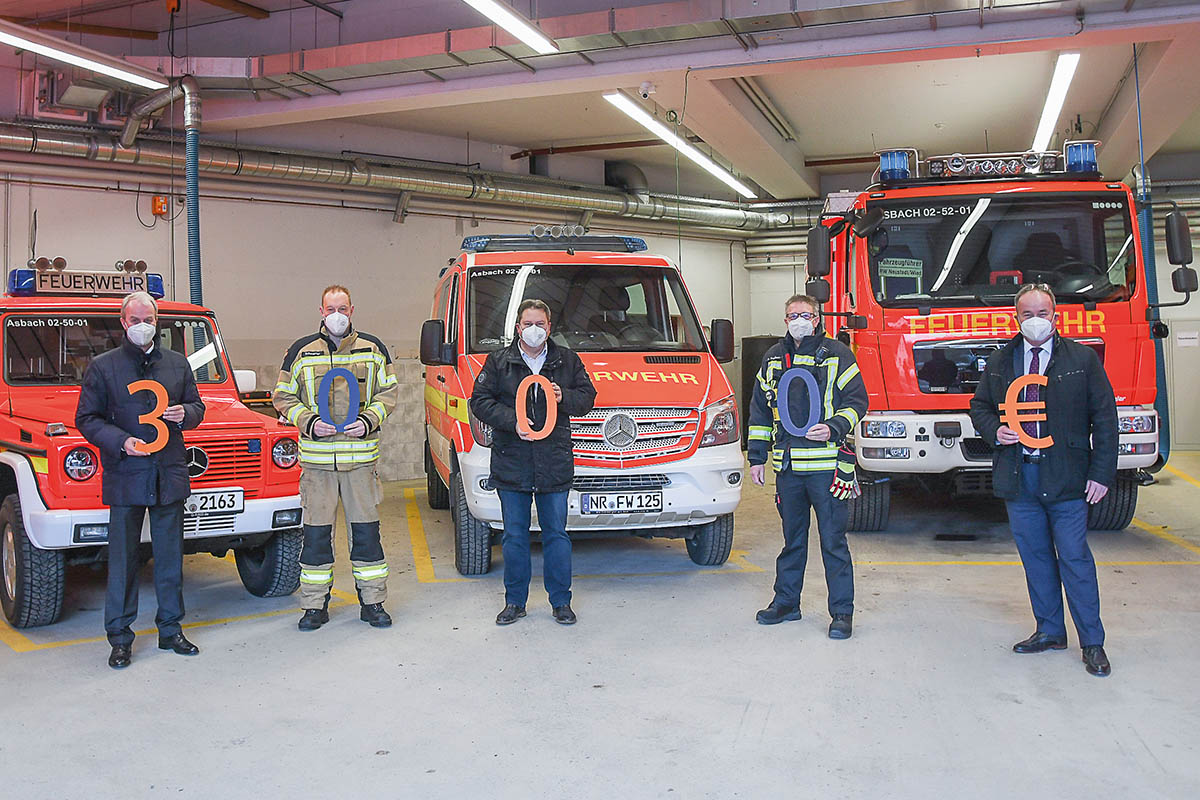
{"x":296,"y":396}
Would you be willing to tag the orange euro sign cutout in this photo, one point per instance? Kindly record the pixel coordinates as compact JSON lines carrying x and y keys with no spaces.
{"x":523,"y":424}
{"x":1012,"y":407}
{"x":153,"y":416}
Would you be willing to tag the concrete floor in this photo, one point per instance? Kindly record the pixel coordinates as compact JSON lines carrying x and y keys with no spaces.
{"x":665,"y":688}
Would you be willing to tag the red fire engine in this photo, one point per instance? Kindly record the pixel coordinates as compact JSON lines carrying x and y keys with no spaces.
{"x":920,"y":272}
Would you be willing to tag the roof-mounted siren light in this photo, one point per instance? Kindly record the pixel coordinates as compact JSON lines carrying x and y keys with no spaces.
{"x":893,"y":165}
{"x":1081,"y":156}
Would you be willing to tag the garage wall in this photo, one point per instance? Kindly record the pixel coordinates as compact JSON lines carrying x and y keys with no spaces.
{"x":266,"y":262}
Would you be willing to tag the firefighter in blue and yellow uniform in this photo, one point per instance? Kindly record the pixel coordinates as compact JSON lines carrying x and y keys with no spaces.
{"x":339,"y":464}
{"x":814,"y":471}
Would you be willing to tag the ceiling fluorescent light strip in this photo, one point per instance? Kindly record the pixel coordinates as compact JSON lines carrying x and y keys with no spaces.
{"x":23,"y":39}
{"x":643,"y":118}
{"x":1064,"y":71}
{"x":515,"y":24}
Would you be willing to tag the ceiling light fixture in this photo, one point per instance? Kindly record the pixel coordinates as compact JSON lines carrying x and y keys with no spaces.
{"x":639,"y":114}
{"x":515,"y":24}
{"x":1064,"y":71}
{"x":44,"y":45}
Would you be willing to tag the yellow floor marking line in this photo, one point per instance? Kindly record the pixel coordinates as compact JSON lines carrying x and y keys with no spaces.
{"x":422,"y":560}
{"x":1161,"y":532}
{"x":1181,"y":474}
{"x":20,"y":643}
{"x":1018,"y":563}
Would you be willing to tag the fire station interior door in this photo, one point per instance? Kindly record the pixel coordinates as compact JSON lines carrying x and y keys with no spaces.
{"x":1183,"y":374}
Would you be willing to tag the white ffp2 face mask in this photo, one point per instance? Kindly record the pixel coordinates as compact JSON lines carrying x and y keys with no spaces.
{"x":533,"y":336}
{"x":801,"y":327}
{"x":141,"y":334}
{"x":337,"y":323}
{"x":1037,"y":329}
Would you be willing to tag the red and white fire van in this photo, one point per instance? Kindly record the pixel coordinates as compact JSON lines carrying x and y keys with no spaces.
{"x":659,"y":455}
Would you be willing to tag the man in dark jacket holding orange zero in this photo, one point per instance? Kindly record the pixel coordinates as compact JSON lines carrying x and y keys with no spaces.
{"x":528,"y":393}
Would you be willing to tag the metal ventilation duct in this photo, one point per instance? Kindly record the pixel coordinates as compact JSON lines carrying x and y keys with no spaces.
{"x":487,"y":187}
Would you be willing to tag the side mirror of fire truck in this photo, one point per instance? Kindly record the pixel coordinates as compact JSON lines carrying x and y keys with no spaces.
{"x":868,"y":223}
{"x":818,"y":289}
{"x":721,"y":339}
{"x":1179,"y":240}
{"x":817,"y":251}
{"x":434,"y":350}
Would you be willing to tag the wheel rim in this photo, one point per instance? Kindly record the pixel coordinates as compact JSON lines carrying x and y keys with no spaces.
{"x":9,"y":557}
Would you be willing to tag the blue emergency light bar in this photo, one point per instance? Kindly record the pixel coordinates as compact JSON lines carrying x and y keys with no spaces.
{"x":1078,"y":157}
{"x":893,"y":165}
{"x":507,"y":242}
{"x":1081,"y":157}
{"x":44,"y":283}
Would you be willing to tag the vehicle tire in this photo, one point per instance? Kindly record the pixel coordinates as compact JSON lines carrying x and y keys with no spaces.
{"x":31,"y":590}
{"x":869,"y":511}
{"x":273,"y":568}
{"x":436,"y":491}
{"x":710,"y":545}
{"x":1115,"y":511}
{"x":472,"y":538}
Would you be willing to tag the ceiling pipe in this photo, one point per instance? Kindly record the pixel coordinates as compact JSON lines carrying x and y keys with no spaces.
{"x":186,"y":88}
{"x":490,"y":187}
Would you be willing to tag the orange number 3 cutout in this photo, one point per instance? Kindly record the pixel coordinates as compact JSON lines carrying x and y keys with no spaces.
{"x":523,"y":407}
{"x":153,"y":416}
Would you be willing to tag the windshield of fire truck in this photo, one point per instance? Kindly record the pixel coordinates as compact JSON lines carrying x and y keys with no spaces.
{"x":593,"y":307}
{"x":978,"y":250}
{"x":55,"y":349}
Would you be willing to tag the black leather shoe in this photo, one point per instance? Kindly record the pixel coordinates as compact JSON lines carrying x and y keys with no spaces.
{"x":510,"y":614}
{"x":775,"y":614}
{"x":179,"y":644}
{"x":1040,"y":643}
{"x":374,"y":614}
{"x":120,"y":656}
{"x":563,"y":615}
{"x":1096,"y":662}
{"x":313,"y":618}
{"x":841,"y":627}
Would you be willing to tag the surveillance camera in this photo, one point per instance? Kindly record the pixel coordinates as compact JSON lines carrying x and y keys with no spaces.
{"x":646,"y":89}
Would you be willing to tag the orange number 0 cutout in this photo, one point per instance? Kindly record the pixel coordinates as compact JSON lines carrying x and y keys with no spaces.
{"x":1012,"y":407}
{"x":153,"y":416}
{"x":523,"y":425}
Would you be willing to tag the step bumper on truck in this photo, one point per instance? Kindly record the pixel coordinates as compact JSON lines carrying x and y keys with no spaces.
{"x":58,"y":529}
{"x":913,"y":445}
{"x":695,"y":490}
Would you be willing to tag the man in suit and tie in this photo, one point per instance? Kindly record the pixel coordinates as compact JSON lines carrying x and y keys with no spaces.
{"x":1050,"y":471}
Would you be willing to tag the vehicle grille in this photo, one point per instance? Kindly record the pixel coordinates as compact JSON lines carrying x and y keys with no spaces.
{"x":609,"y":483}
{"x":976,"y":449}
{"x":209,"y":525}
{"x":672,"y":359}
{"x":230,"y":463}
{"x":661,"y":432}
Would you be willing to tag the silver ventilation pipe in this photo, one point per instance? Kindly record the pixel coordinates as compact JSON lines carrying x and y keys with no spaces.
{"x":317,"y":170}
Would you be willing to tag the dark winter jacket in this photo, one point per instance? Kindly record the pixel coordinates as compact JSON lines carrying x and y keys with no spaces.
{"x":546,"y":465}
{"x":1081,"y":417}
{"x":107,"y":415}
{"x":842,"y":403}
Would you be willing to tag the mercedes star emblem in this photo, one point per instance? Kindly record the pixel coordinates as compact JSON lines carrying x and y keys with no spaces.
{"x":620,"y":431}
{"x":197,"y":462}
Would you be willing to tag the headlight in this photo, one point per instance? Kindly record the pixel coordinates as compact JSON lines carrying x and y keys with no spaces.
{"x":80,"y":464}
{"x":285,"y":453}
{"x":720,"y":421}
{"x":481,"y":432}
{"x":884,"y":429}
{"x":1141,"y":424}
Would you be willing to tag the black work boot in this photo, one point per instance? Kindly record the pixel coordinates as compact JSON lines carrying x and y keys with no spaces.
{"x":841,"y":627}
{"x":777,"y":613}
{"x":374,"y":615}
{"x":314,"y":617}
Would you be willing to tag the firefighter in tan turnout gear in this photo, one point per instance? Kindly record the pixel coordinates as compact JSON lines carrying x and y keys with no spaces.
{"x":339,"y":463}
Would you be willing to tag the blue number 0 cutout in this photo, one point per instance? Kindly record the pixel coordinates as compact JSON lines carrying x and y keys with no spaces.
{"x":814,"y":405}
{"x":325,"y":395}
